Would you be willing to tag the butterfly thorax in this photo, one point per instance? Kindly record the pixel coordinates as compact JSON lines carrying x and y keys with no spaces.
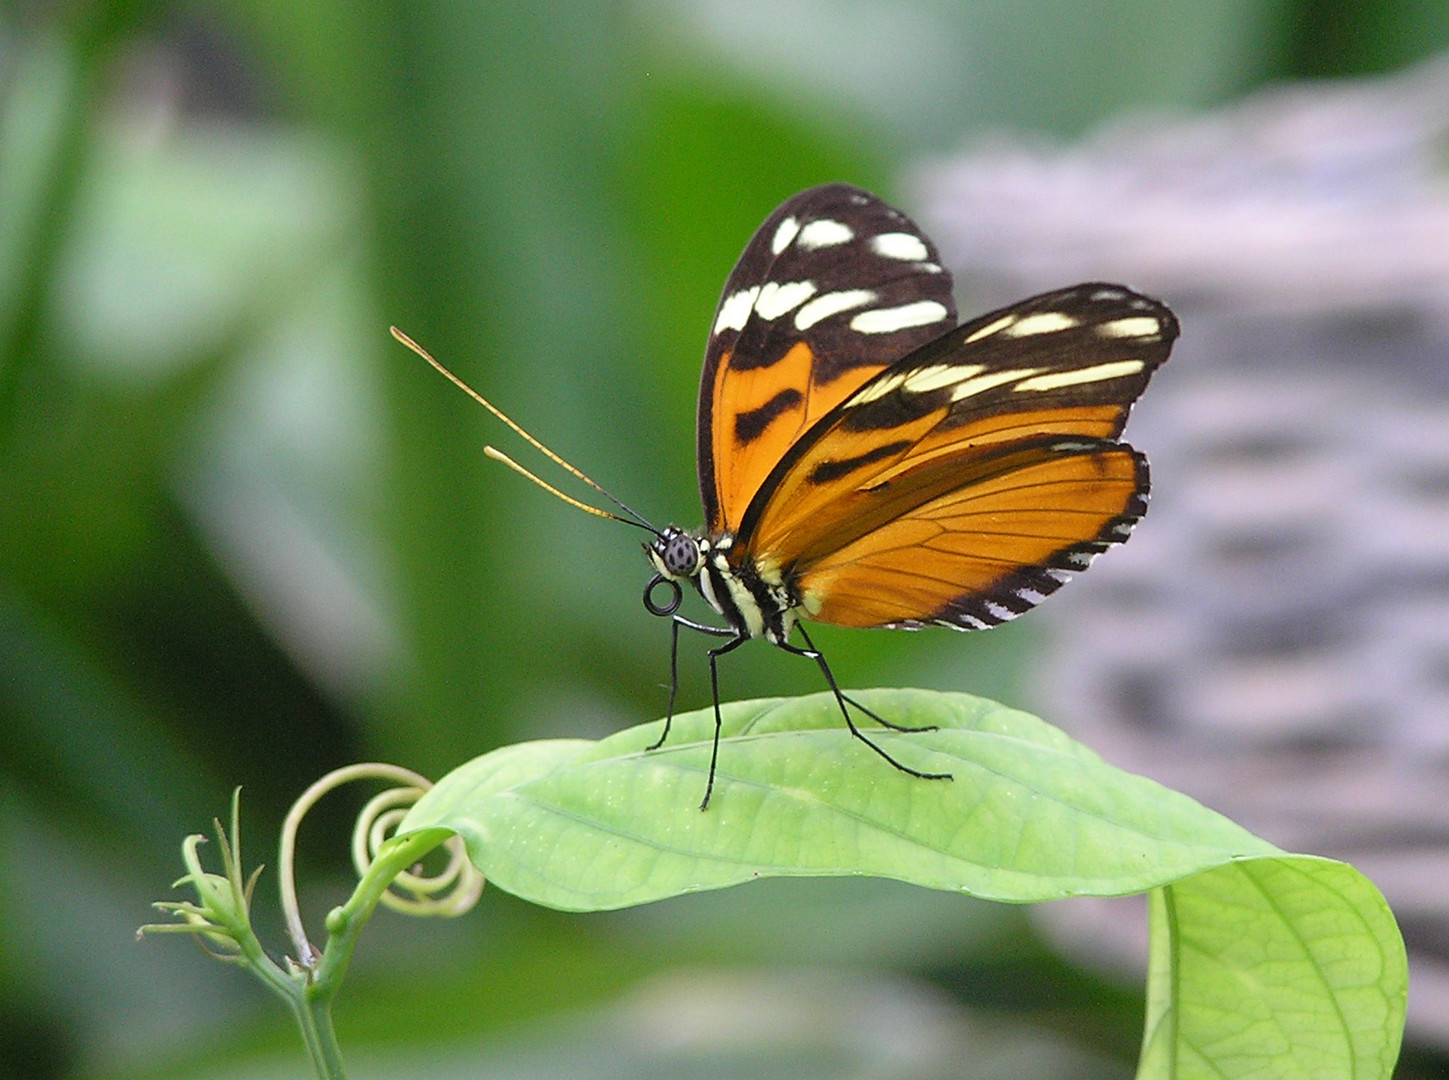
{"x":756,"y":599}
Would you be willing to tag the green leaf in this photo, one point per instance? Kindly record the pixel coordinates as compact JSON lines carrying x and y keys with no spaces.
{"x":1263,"y":964}
{"x":1030,"y":815}
{"x":1284,"y":967}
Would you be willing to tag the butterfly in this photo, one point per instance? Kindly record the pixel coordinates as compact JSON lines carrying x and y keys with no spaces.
{"x":864,"y":461}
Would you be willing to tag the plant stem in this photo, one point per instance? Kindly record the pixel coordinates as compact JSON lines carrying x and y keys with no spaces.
{"x":309,"y":993}
{"x":314,"y":1020}
{"x":345,"y":923}
{"x":312,"y":1013}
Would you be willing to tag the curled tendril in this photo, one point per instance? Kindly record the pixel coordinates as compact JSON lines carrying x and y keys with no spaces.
{"x":459,"y":883}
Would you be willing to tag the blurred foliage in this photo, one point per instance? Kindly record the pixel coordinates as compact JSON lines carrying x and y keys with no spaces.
{"x":1327,"y":38}
{"x":245,"y":538}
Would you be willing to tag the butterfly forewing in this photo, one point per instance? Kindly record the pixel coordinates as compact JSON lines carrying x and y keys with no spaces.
{"x":963,"y":483}
{"x":834,"y":287}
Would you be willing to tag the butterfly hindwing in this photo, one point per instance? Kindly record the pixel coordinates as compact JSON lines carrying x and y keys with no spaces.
{"x":834,"y":287}
{"x":975,"y":557}
{"x":963,"y":484}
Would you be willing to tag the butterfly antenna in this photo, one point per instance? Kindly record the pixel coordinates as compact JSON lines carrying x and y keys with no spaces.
{"x":634,"y":518}
{"x":499,"y":455}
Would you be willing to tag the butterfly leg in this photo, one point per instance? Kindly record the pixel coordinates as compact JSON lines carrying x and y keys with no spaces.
{"x":688,"y":624}
{"x":877,"y":717}
{"x":673,"y":683}
{"x":812,"y":653}
{"x":883,"y":722}
{"x":714,"y":655}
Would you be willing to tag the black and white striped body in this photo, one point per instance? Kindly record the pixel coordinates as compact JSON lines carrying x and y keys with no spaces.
{"x":755,"y":604}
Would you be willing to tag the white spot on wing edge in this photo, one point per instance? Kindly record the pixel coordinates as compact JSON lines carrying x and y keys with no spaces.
{"x":889,"y":320}
{"x":1043,"y":322}
{"x":900,"y":245}
{"x":991,"y":328}
{"x":784,"y":233}
{"x":1097,"y":373}
{"x":828,"y":304}
{"x":777,"y":298}
{"x":736,"y":309}
{"x":1138,"y":326}
{"x":824,"y":232}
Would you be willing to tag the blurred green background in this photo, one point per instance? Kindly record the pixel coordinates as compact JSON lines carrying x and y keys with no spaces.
{"x":245,"y":537}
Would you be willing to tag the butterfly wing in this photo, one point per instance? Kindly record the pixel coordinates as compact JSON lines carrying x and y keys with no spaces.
{"x":963,"y":484}
{"x":834,"y":287}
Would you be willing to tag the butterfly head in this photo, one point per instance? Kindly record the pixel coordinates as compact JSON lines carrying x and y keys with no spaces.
{"x":675,"y":553}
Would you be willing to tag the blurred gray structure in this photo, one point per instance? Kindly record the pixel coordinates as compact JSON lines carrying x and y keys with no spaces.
{"x":1274,"y":640}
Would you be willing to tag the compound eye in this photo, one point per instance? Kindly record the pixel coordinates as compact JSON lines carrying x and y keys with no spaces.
{"x":681,"y":555}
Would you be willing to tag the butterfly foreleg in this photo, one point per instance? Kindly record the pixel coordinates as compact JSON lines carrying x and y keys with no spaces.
{"x":677,"y":622}
{"x":714,"y":655}
{"x":812,"y":653}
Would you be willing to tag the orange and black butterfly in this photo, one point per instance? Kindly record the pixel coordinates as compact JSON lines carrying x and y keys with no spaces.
{"x":866,"y":462}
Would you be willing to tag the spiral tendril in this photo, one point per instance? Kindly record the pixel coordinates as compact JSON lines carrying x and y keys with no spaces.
{"x":451,"y":891}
